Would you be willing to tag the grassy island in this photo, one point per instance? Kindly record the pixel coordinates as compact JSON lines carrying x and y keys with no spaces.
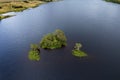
{"x":54,"y":40}
{"x":34,"y":53}
{"x":77,"y":52}
{"x":115,"y":1}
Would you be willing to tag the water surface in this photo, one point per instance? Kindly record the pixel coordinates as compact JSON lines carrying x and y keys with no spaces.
{"x":94,"y":23}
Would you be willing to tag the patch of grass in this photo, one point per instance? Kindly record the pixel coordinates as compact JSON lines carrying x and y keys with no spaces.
{"x":34,"y":55}
{"x":18,"y":6}
{"x":79,"y":53}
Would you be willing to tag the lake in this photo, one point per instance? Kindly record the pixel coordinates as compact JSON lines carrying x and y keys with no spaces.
{"x":93,"y":23}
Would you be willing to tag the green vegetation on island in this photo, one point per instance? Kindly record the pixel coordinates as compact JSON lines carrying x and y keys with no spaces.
{"x":34,"y":53}
{"x":115,"y":1}
{"x":54,"y":40}
{"x":77,"y":52}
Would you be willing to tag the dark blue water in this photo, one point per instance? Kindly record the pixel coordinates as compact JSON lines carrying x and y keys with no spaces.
{"x":94,"y":23}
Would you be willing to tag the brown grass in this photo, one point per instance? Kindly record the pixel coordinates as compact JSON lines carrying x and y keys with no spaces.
{"x":8,"y":7}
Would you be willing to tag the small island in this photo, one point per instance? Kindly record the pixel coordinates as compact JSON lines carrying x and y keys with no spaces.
{"x":34,"y":53}
{"x":54,"y":40}
{"x":77,"y":52}
{"x":114,"y":1}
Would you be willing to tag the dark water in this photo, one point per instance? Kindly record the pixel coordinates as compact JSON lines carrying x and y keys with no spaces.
{"x":94,"y":23}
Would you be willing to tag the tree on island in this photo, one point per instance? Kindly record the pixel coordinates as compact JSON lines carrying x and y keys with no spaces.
{"x":35,"y":47}
{"x":78,"y":46}
{"x":54,"y":40}
{"x":77,"y":52}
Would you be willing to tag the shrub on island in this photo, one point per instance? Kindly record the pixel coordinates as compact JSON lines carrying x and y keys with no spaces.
{"x":54,"y":40}
{"x":34,"y":53}
{"x":77,"y":52}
